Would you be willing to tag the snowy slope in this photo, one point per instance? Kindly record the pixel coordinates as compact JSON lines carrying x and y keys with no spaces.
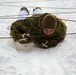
{"x":30,"y":60}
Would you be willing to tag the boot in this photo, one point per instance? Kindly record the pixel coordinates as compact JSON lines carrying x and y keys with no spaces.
{"x":24,"y":12}
{"x":24,"y":8}
{"x":37,"y":10}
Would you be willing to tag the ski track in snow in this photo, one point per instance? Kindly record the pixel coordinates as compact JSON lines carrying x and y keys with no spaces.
{"x":16,"y":59}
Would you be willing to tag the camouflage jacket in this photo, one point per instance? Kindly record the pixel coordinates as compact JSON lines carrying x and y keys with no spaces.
{"x":32,"y":25}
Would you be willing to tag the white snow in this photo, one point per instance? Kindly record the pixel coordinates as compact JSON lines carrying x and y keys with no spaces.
{"x":29,"y":59}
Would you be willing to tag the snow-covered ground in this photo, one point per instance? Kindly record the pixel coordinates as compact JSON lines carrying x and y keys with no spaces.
{"x":60,"y":60}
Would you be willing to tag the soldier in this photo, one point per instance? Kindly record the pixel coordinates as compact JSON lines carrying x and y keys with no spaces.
{"x":45,"y":30}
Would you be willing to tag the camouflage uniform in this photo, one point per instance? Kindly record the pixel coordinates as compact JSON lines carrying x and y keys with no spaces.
{"x":33,"y":26}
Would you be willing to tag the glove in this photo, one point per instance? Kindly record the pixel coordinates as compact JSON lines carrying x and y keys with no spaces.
{"x":44,"y":45}
{"x":26,"y":39}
